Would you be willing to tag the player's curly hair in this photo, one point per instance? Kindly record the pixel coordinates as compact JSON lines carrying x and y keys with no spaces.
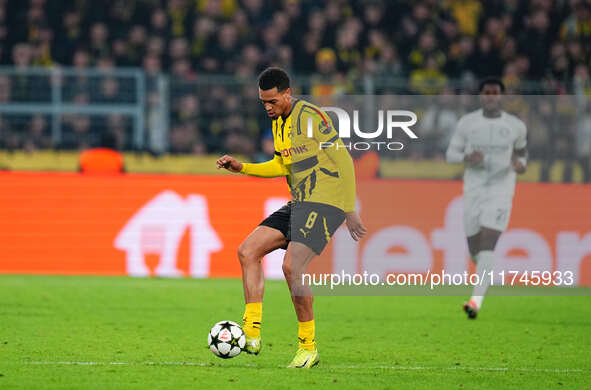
{"x":491,"y":80}
{"x":274,"y":77}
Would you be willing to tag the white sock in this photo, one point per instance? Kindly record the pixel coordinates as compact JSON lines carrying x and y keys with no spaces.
{"x":485,"y":264}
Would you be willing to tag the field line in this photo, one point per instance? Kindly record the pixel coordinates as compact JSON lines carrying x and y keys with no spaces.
{"x":343,"y":367}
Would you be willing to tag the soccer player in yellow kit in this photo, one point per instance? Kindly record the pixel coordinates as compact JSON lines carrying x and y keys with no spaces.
{"x":321,"y":178}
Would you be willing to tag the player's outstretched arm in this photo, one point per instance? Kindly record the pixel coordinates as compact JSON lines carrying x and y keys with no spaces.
{"x":229,"y":163}
{"x":271,"y":168}
{"x":344,"y":163}
{"x":336,"y":151}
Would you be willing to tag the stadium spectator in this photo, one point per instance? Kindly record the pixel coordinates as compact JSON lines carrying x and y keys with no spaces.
{"x":159,"y":24}
{"x":183,"y":138}
{"x":583,"y":141}
{"x":152,"y":65}
{"x":438,"y":124}
{"x":5,"y":89}
{"x":462,"y":57}
{"x":538,"y":123}
{"x":117,"y":126}
{"x":109,"y":91}
{"x":535,"y":41}
{"x":387,"y":64}
{"x":76,"y":132}
{"x":267,"y":149}
{"x":38,"y":135}
{"x":427,"y":48}
{"x":467,"y":13}
{"x":328,"y":81}
{"x":136,"y":46}
{"x":99,"y":46}
{"x":8,"y":138}
{"x":578,"y":23}
{"x":428,"y":80}
{"x":69,"y":36}
{"x":202,"y":40}
{"x":3,"y":32}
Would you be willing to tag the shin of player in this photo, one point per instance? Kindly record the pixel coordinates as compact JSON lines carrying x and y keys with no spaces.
{"x":492,"y":145}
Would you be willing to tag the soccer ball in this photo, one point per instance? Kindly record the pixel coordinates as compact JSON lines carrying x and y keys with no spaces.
{"x":226,"y":339}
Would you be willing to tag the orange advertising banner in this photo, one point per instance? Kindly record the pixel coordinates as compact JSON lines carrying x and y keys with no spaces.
{"x":173,"y":225}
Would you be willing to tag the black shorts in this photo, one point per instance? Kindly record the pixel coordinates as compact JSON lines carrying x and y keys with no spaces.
{"x":310,"y":223}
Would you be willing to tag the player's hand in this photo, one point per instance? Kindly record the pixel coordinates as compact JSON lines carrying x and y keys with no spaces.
{"x":355,"y":226}
{"x":474,"y":158}
{"x":518,"y":167}
{"x":230,"y":163}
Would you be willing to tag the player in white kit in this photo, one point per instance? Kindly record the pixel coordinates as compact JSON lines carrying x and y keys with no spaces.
{"x":492,"y":145}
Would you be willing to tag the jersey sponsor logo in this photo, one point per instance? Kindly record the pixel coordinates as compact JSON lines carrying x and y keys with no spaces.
{"x":491,"y":148}
{"x":288,"y":152}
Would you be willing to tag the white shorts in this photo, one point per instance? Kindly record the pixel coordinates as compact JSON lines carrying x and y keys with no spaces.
{"x":487,"y":210}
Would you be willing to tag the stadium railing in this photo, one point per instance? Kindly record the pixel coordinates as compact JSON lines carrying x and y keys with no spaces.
{"x":74,"y":107}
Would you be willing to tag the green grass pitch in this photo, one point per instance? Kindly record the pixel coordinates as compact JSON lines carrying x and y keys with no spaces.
{"x":128,"y":333}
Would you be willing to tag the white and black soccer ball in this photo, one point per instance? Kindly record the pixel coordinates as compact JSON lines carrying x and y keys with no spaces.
{"x":226,"y":339}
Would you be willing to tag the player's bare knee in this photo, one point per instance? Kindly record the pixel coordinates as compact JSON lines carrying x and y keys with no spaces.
{"x":247,"y":253}
{"x":286,"y":267}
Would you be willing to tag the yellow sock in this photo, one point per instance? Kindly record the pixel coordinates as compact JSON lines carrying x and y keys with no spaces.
{"x":253,"y":314}
{"x":307,"y":335}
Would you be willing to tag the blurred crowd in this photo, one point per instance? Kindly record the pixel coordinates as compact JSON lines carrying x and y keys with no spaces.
{"x":428,"y":41}
{"x":333,"y":47}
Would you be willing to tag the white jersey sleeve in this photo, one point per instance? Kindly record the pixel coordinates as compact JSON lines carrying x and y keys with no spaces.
{"x":456,"y":149}
{"x":521,"y":140}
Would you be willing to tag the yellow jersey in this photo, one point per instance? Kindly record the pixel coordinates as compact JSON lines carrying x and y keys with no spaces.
{"x":309,"y":152}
